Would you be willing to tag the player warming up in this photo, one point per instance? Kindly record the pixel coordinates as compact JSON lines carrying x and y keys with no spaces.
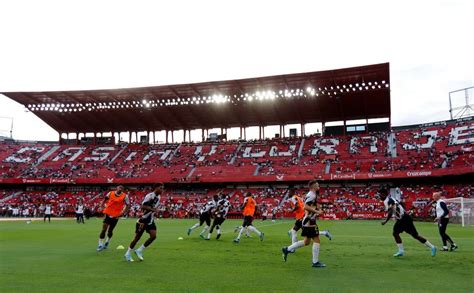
{"x":205,"y":216}
{"x":222,"y":208}
{"x":48,"y":210}
{"x":248,"y":212}
{"x":404,"y":223}
{"x":442,"y":217}
{"x":310,"y":229}
{"x":146,"y":222}
{"x":80,"y":212}
{"x":297,"y":207}
{"x":116,"y":204}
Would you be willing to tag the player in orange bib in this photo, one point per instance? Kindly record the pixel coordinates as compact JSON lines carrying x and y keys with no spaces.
{"x":116,"y":204}
{"x":297,"y":207}
{"x":248,"y":212}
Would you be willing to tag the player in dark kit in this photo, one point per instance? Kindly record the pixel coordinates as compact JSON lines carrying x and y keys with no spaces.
{"x":146,"y":222}
{"x":404,"y":223}
{"x":442,"y":218}
{"x":297,"y":206}
{"x":310,"y":230}
{"x":222,"y":208}
{"x":205,"y":216}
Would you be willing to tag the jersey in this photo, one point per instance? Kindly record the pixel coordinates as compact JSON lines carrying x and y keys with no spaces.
{"x":397,"y":209}
{"x":80,"y":209}
{"x":151,"y":200}
{"x":297,"y":202}
{"x":47,"y":210}
{"x":249,"y":206}
{"x":310,"y":200}
{"x":115,"y":204}
{"x":442,"y":210}
{"x":223,"y":207}
{"x":208,"y":207}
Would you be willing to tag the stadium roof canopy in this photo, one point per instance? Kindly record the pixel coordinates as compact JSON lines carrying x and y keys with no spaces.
{"x":323,"y":96}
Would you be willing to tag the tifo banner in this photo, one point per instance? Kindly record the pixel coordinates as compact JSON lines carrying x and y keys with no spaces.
{"x":243,"y":178}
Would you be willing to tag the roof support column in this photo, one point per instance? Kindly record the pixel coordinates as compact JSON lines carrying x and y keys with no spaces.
{"x":260,"y":132}
{"x":184,"y":135}
{"x":302,"y":130}
{"x":166,"y":134}
{"x":129,"y":137}
{"x":344,"y":127}
{"x":77,"y":138}
{"x":94,"y":141}
{"x":245,"y":133}
{"x":172,"y":136}
{"x":283,"y":130}
{"x":59,"y":133}
{"x":136,"y":136}
{"x":154,"y":138}
{"x":240,"y":132}
{"x":202,"y":134}
{"x":366,"y":125}
{"x":189,"y":135}
{"x":263,"y":132}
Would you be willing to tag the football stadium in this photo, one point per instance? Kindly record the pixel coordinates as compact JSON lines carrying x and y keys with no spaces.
{"x":276,"y":183}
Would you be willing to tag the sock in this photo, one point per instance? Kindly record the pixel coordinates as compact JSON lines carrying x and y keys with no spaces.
{"x":218,"y":231}
{"x":324,"y":233}
{"x":204,"y":230}
{"x":208,"y":235}
{"x":294,"y":236}
{"x":101,"y":242}
{"x":429,"y":245}
{"x":107,"y":240}
{"x":128,"y":251}
{"x":194,"y":226}
{"x":253,"y":229}
{"x":240,"y":232}
{"x":141,"y":248}
{"x":315,"y":252}
{"x":400,"y":247}
{"x":296,"y":245}
{"x":445,"y":247}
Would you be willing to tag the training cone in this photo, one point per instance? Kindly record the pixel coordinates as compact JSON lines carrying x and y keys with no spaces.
{"x":120,"y":247}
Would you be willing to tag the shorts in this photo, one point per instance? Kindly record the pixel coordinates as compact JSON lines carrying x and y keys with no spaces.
{"x":311,"y":229}
{"x":218,"y":221}
{"x":405,"y":224}
{"x":247,"y":221}
{"x":205,"y":217}
{"x":141,"y":227}
{"x":298,"y":224}
{"x":112,"y":222}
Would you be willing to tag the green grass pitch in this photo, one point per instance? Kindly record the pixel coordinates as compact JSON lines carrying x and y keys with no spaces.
{"x":61,"y":257}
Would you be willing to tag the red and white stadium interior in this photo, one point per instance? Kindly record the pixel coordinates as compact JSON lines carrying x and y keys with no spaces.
{"x":351,"y":160}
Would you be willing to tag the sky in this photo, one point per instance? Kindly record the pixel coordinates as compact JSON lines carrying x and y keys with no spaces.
{"x":78,"y":45}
